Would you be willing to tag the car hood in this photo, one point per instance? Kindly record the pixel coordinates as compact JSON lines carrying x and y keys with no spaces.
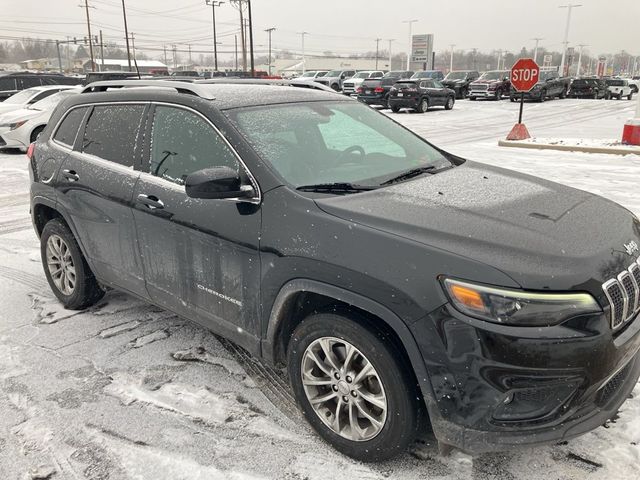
{"x":8,"y":107}
{"x":542,"y":234}
{"x":487,"y":82}
{"x":17,"y":115}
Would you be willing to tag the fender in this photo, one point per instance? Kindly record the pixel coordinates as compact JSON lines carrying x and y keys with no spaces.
{"x":269,"y":344}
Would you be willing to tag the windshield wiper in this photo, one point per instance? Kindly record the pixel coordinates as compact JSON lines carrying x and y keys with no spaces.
{"x":338,"y":187}
{"x":414,"y":172}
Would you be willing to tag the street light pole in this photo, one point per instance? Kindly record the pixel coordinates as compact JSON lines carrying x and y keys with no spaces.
{"x":253,"y":66}
{"x":410,"y":22}
{"x":565,"y":44}
{"x":535,"y":51}
{"x":377,"y":50}
{"x":582,"y":45}
{"x":391,"y":40}
{"x":304,"y":60}
{"x":451,"y":59}
{"x":126,"y":34}
{"x":86,"y":8}
{"x":213,"y":4}
{"x":270,"y":31}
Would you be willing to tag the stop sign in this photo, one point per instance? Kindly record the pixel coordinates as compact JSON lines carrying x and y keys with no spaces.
{"x":524,"y":74}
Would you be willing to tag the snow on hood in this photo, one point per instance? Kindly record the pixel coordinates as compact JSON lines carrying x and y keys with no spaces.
{"x":17,"y":115}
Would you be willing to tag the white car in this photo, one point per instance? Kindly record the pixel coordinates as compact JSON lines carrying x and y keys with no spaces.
{"x":350,"y":86}
{"x":21,"y":127}
{"x":312,"y":74}
{"x":618,"y":88}
{"x":29,"y":96}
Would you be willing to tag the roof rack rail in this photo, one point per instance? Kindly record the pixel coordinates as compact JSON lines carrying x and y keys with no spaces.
{"x":181,"y":87}
{"x":261,"y":81}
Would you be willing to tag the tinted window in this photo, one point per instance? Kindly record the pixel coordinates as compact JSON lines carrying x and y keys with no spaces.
{"x":28,"y":82}
{"x":183,"y":142}
{"x":68,"y":129}
{"x":43,"y":95}
{"x":438,"y":84}
{"x":7,"y":83}
{"x":112,"y":132}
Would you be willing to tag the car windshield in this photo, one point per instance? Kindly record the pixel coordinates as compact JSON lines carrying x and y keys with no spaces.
{"x":397,"y":73}
{"x":312,"y":143}
{"x":493,"y":75}
{"x":612,"y":83}
{"x":456,"y":76}
{"x":361,"y":75}
{"x":334,"y":73}
{"x":584,"y":82}
{"x":50,"y":102}
{"x":321,"y":74}
{"x":308,"y":74}
{"x":424,"y":75}
{"x":20,"y":98}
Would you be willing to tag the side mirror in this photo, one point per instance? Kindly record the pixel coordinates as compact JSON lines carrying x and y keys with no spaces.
{"x":217,"y":183}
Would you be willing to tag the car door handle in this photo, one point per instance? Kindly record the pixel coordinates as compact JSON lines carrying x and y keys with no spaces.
{"x":151,"y":202}
{"x":70,"y":175}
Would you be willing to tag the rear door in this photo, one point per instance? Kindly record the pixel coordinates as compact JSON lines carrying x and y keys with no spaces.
{"x":97,"y":181}
{"x":437,"y":92}
{"x":200,"y":256}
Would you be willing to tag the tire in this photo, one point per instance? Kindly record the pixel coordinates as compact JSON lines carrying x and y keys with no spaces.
{"x":395,"y":109}
{"x":595,"y":95}
{"x":463,"y":93}
{"x":450,"y":103}
{"x":390,"y":382}
{"x":630,"y":96}
{"x":423,"y":106}
{"x":513,"y":99}
{"x":563,"y":94}
{"x":473,"y":99}
{"x":36,"y":131}
{"x":543,"y":96}
{"x":498,"y":94}
{"x":85,"y":291}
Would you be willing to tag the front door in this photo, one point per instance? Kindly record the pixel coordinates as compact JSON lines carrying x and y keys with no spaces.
{"x":96,"y":187}
{"x":200,"y":256}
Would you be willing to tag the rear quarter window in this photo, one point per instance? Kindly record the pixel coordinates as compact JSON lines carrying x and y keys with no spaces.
{"x":7,"y":84}
{"x":112,"y":133}
{"x":68,"y":129}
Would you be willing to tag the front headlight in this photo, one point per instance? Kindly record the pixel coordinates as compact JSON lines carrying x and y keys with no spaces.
{"x":515,"y":307}
{"x":13,"y":126}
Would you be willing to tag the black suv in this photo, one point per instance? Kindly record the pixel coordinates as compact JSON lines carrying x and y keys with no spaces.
{"x":12,"y":83}
{"x":396,"y":281}
{"x":588,"y":88}
{"x":459,"y":81}
{"x":420,"y":95}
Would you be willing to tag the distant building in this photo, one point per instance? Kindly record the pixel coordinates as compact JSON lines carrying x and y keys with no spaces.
{"x":145,"y":66}
{"x":51,"y":64}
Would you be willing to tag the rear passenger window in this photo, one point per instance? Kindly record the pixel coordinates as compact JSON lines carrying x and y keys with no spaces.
{"x":7,"y":84}
{"x":28,"y":82}
{"x":112,"y":133}
{"x":182,"y":143}
{"x":68,"y":129}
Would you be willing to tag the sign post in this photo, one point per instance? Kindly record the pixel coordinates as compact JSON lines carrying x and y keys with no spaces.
{"x":525,"y":74}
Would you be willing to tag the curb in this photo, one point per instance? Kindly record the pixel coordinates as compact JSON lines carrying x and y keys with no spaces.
{"x":571,"y":148}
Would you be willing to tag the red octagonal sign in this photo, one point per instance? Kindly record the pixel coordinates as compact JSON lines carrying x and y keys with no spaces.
{"x":524,"y":74}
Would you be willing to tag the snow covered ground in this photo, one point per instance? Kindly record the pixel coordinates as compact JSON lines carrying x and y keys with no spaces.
{"x":128,"y":391}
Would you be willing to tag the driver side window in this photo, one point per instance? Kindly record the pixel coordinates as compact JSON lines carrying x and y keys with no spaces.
{"x":183,"y":142}
{"x":341,"y":133}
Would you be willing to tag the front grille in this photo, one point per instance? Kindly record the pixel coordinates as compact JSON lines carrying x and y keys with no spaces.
{"x":612,"y":386}
{"x":347,"y":85}
{"x":480,"y":87}
{"x":623,"y":294}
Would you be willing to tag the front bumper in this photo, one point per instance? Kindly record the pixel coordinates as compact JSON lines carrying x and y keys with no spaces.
{"x":482,"y":94}
{"x":11,"y":139}
{"x":497,"y":387}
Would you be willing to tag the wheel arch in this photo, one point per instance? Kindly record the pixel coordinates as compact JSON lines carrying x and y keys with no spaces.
{"x":299,"y":298}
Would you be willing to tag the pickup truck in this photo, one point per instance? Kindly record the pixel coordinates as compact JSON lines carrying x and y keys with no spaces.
{"x":618,"y":88}
{"x":493,"y":84}
{"x":550,"y":85}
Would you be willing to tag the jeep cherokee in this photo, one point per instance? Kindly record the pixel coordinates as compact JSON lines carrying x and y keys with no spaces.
{"x":396,"y":281}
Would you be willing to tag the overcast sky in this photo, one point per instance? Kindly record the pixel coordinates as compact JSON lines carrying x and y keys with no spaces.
{"x":341,"y":26}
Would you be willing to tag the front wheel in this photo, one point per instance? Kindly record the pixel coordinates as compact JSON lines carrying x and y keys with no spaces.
{"x":66,"y":269}
{"x":353,"y":387}
{"x":395,"y":109}
{"x":450,"y":102}
{"x":36,"y":132}
{"x":424,"y":105}
{"x":543,"y":96}
{"x":630,"y":96}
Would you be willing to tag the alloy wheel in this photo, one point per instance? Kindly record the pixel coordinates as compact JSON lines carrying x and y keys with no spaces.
{"x":344,"y":389}
{"x":60,"y":265}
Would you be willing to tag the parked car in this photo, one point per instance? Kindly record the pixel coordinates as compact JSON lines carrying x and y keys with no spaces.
{"x":185,"y":73}
{"x":311,"y":74}
{"x":335,"y":78}
{"x":12,"y":83}
{"x":91,"y":77}
{"x":493,"y":84}
{"x":420,"y":95}
{"x":432,"y":74}
{"x":400,"y":285}
{"x":591,"y":87}
{"x":618,"y":88}
{"x":459,"y":81}
{"x":375,"y":91}
{"x":20,"y":128}
{"x":634,"y":83}
{"x":30,"y":96}
{"x":549,"y":85}
{"x":350,"y":86}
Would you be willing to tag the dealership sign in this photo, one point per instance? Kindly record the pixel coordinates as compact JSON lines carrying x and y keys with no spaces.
{"x":421,"y":48}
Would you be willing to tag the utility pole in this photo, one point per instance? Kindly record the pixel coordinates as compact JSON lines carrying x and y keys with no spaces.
{"x":213,"y":4}
{"x":565,"y":43}
{"x":164,"y":48}
{"x":240,"y":5}
{"x":535,"y":51}
{"x":69,"y":66}
{"x":304,"y":60}
{"x":410,"y":22}
{"x":377,"y":50}
{"x":253,"y":66}
{"x":86,"y":8}
{"x":126,"y":34}
{"x":269,"y":32}
{"x":236,"y":42}
{"x":451,"y":59}
{"x":391,"y":40}
{"x":499,"y":59}
{"x":582,"y":45}
{"x":101,"y":52}
{"x":190,"y":61}
{"x":475,"y":58}
{"x":175,"y":60}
